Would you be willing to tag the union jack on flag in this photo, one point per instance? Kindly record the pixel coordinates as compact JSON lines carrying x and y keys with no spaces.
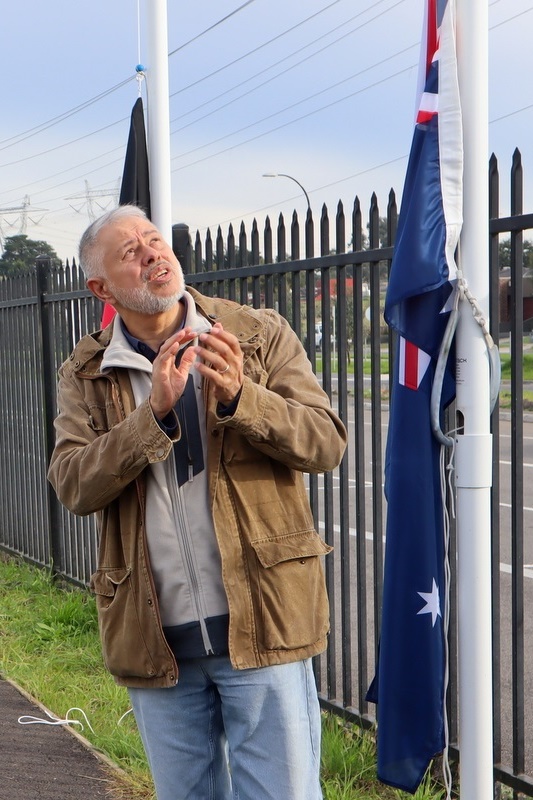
{"x":409,"y":683}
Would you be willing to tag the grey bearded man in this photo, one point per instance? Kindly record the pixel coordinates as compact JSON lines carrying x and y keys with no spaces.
{"x":187,"y":425}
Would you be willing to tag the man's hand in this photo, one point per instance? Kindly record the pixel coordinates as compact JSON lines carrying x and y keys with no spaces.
{"x":169,"y":380}
{"x":220,"y":362}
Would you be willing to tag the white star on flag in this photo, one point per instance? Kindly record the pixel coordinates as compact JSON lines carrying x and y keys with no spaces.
{"x":432,"y":603}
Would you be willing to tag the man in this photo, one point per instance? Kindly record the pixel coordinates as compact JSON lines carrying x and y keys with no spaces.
{"x":186,"y":426}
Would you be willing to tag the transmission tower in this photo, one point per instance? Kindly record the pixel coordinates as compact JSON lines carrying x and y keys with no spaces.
{"x":91,"y":199}
{"x":16,"y":218}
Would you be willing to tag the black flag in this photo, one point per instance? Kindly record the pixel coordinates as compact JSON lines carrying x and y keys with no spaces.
{"x":135,"y":187}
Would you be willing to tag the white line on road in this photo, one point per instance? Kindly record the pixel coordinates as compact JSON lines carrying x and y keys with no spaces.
{"x":508,"y":505}
{"x":528,"y":569}
{"x":507,"y":568}
{"x":508,"y":464}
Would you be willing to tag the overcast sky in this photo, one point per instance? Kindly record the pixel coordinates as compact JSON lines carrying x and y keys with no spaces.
{"x":322,"y":90}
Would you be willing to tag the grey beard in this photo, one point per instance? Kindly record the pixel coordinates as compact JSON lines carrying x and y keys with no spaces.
{"x":143,"y":301}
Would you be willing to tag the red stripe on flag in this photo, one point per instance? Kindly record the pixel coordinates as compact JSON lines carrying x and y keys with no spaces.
{"x":411,"y":365}
{"x":431,"y":33}
{"x":424,"y":116}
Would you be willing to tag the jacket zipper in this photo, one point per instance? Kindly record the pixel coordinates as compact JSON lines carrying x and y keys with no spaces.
{"x":184,"y":538}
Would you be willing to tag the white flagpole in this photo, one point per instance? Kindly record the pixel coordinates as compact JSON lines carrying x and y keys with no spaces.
{"x":158,"y":115}
{"x":474,"y":444}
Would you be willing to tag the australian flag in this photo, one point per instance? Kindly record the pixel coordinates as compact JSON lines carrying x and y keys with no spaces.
{"x":135,"y":186}
{"x":409,"y":685}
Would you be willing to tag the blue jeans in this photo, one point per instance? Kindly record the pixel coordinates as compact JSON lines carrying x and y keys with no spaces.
{"x":226,"y":734}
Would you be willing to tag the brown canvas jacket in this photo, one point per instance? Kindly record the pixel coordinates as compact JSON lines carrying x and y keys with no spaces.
{"x":271,"y":566}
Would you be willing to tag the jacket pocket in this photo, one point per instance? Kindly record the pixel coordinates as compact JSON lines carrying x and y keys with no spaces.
{"x":123,"y":645}
{"x":98,"y":419}
{"x":292,"y":593}
{"x":102,"y":417}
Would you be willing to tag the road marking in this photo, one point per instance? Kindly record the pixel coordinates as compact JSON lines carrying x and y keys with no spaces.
{"x":508,"y":436}
{"x":528,"y":569}
{"x":369,"y":536}
{"x":508,"y":505}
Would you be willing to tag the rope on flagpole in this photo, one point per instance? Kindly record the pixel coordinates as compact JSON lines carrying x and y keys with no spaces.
{"x":493,"y":352}
{"x":446,"y":477}
{"x":438,"y":380}
{"x":462,"y":292}
{"x":139,"y":69}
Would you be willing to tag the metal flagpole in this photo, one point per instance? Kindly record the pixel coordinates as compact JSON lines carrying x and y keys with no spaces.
{"x":473,"y":440}
{"x":158,"y":116}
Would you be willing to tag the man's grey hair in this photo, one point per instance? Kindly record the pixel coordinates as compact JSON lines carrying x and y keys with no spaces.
{"x":90,"y":255}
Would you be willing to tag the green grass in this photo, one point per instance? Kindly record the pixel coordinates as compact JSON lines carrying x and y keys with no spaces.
{"x":527,"y":366}
{"x":384,"y":366}
{"x":505,"y":395}
{"x":49,"y":646}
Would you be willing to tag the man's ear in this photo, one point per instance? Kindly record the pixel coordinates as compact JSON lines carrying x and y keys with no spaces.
{"x":99,"y":288}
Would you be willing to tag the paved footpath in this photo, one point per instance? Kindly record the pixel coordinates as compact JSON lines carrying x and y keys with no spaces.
{"x":46,"y":762}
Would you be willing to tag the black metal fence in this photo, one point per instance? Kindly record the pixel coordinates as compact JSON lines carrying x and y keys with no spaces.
{"x":333,"y":300}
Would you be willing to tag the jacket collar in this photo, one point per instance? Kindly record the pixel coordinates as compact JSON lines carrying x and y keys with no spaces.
{"x":121,"y":353}
{"x":242,"y":321}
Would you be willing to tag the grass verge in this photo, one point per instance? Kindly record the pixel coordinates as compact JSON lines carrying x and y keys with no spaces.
{"x":49,"y":646}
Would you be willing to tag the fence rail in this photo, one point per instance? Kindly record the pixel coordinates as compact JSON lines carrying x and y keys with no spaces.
{"x":333,"y":300}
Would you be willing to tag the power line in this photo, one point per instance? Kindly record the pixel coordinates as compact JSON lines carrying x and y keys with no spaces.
{"x":308,"y":98}
{"x":293,"y":121}
{"x":259,"y":47}
{"x":65,"y":115}
{"x":212,"y":27}
{"x":293,"y":66}
{"x":279,"y":127}
{"x":235,"y":132}
{"x":65,"y":144}
{"x":20,"y":137}
{"x":43,"y":126}
{"x":312,"y":191}
{"x":69,"y":169}
{"x":247,"y":141}
{"x":282,"y":60}
{"x":510,"y":19}
{"x":511,"y":113}
{"x":270,"y":41}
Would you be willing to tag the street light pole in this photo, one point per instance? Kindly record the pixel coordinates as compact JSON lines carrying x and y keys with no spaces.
{"x":284,"y":175}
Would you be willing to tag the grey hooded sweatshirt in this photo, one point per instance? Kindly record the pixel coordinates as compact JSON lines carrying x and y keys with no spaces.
{"x":182,"y":545}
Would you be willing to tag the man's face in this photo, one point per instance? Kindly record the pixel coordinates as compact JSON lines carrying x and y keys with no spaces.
{"x":142,"y":273}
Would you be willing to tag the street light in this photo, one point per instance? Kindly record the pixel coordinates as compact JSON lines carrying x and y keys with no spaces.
{"x":284,"y":175}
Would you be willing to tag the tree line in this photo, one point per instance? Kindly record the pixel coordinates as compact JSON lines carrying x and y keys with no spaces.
{"x":20,"y":252}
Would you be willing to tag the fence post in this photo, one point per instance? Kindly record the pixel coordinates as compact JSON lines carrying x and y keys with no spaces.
{"x":43,"y":266}
{"x":181,"y":245}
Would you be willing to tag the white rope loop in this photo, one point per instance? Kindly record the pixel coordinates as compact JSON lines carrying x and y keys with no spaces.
{"x":27,"y":719}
